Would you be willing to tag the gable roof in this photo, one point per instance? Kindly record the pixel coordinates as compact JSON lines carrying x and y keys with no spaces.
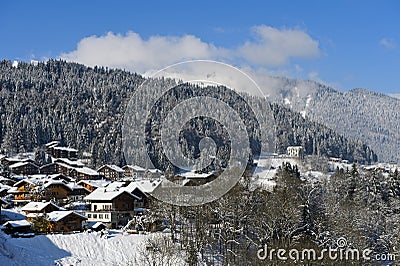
{"x":86,"y":171}
{"x":17,"y":223}
{"x":38,"y":206}
{"x":112,"y":167}
{"x":19,"y":164}
{"x":104,"y":194}
{"x":56,"y":216}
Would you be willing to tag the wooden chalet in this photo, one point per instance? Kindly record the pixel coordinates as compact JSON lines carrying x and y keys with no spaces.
{"x":17,"y":227}
{"x":92,"y":185}
{"x":65,"y":221}
{"x":24,"y":168}
{"x":23,"y":191}
{"x":114,"y":208}
{"x":84,"y":173}
{"x":112,"y":172}
{"x":33,"y":209}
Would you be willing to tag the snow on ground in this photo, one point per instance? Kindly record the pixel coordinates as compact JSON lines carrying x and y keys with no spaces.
{"x":73,"y":249}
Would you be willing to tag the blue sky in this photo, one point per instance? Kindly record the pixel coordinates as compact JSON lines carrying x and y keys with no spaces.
{"x":346,"y":44}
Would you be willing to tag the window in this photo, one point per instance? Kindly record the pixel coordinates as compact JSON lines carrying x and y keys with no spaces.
{"x":95,"y":216}
{"x":106,"y":216}
{"x":100,"y":216}
{"x":89,"y":215}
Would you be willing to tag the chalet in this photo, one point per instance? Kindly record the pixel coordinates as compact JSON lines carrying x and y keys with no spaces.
{"x":295,"y":152}
{"x":63,"y":152}
{"x":196,"y":179}
{"x":17,"y":227}
{"x":23,"y":191}
{"x":56,"y":189}
{"x":49,"y":169}
{"x":61,"y":177}
{"x":33,"y":209}
{"x":92,"y":185}
{"x":112,"y":171}
{"x":65,"y":221}
{"x":114,"y":208}
{"x":84,"y":173}
{"x":96,"y":226}
{"x":134,"y":171}
{"x":72,"y":163}
{"x":24,"y":168}
{"x":78,"y":192}
{"x":142,"y":189}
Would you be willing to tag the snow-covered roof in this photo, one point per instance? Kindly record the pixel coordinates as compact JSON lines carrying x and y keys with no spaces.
{"x":87,"y":171}
{"x":37,"y":206}
{"x":65,"y":149}
{"x":52,"y":143}
{"x":115,"y":185}
{"x":104,"y":194}
{"x":55,"y":182}
{"x":155,"y":171}
{"x":56,"y":216}
{"x":135,"y":168}
{"x":75,"y":163}
{"x":112,"y":167}
{"x":193,"y":175}
{"x":18,"y":223}
{"x":19,"y":164}
{"x":95,"y":183}
{"x":146,"y":186}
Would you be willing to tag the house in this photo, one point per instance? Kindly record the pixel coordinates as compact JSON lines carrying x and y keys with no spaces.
{"x":84,"y":173}
{"x":65,"y":221}
{"x":96,"y":226}
{"x":92,"y":185}
{"x":142,"y":189}
{"x":77,"y":192}
{"x":33,"y":209}
{"x":23,"y":191}
{"x":49,"y":169}
{"x":24,"y":168}
{"x":195,"y":179}
{"x":17,"y":227}
{"x":72,"y":163}
{"x":62,"y":152}
{"x":295,"y":152}
{"x":112,"y":207}
{"x":134,"y":171}
{"x":112,"y":171}
{"x":56,"y":189}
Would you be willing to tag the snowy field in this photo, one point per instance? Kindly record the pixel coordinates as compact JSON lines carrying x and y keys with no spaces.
{"x":73,"y":249}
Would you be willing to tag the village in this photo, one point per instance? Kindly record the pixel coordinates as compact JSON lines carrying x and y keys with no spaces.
{"x":66,"y":196}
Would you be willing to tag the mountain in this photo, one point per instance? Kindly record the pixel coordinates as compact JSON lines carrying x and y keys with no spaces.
{"x":371,"y":117}
{"x":84,"y":108}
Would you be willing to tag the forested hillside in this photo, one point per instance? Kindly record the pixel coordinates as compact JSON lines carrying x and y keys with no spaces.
{"x":84,"y":108}
{"x":371,"y":117}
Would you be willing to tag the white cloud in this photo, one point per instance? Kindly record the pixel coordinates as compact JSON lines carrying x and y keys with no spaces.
{"x":132,"y":52}
{"x":388,"y":43}
{"x":270,"y":48}
{"x":275,"y":47}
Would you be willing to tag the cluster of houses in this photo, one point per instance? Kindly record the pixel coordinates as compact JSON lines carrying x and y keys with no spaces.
{"x":68,"y":195}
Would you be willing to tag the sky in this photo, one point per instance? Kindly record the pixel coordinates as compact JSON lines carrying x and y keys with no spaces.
{"x":344,"y":44}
